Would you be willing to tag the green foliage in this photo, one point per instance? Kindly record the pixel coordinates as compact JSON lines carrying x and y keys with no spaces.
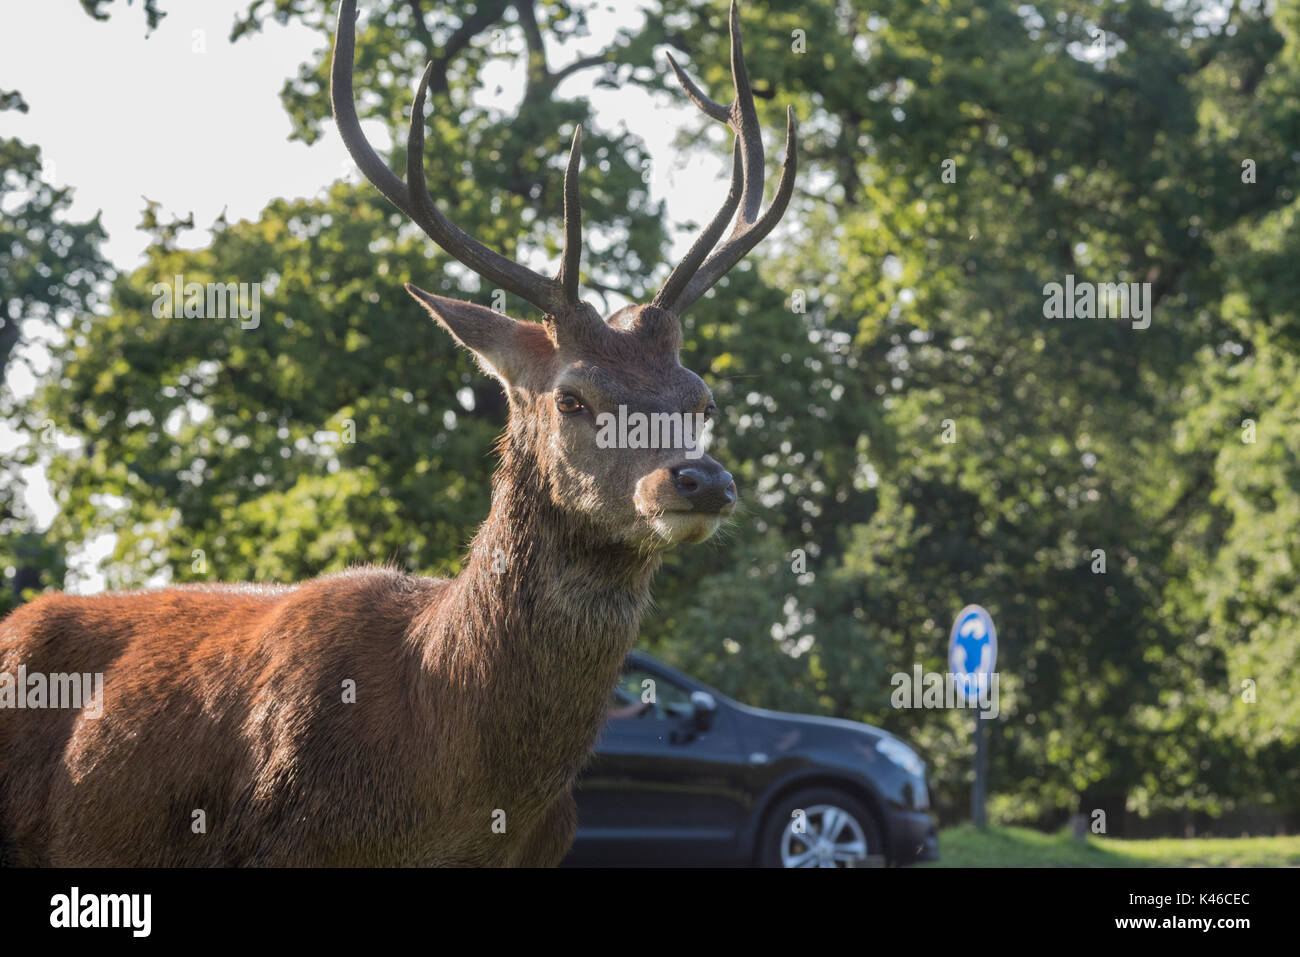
{"x":49,"y":268}
{"x":926,"y":310}
{"x":235,"y":441}
{"x":909,"y":432}
{"x":152,"y":13}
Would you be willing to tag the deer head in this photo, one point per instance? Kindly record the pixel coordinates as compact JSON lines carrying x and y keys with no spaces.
{"x":573,"y":375}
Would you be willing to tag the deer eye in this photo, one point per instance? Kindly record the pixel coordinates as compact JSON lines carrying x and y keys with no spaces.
{"x":568,"y":404}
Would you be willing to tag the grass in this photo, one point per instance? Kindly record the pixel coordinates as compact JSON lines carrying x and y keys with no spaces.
{"x":964,"y":846}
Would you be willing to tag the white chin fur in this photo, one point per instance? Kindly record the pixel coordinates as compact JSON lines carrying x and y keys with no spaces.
{"x":676,"y":528}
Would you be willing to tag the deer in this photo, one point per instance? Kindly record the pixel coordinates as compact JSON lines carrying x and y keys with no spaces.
{"x":224,"y":737}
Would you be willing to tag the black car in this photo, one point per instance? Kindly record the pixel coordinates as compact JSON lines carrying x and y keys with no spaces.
{"x":694,"y":778}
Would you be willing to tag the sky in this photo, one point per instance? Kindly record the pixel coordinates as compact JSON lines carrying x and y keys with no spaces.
{"x":121,"y":114}
{"x":175,"y":103}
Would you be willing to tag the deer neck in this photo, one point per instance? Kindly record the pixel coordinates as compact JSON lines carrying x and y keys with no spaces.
{"x":537,"y":625}
{"x":552,"y":577}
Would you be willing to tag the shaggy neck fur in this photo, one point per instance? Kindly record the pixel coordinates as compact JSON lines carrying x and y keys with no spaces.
{"x":535,"y":629}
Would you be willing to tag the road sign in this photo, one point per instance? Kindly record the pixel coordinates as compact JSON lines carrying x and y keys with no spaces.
{"x":972,"y":649}
{"x":972,"y":656}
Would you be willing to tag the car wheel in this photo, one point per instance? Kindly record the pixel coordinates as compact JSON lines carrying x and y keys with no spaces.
{"x":835,"y":829}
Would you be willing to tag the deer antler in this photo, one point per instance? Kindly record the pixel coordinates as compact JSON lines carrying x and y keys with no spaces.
{"x":412,"y":197}
{"x":695,"y":274}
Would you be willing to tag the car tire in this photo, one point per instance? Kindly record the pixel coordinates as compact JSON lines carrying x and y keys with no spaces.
{"x":856,"y":830}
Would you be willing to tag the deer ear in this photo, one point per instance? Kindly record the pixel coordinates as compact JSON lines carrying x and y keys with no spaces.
{"x":504,"y":347}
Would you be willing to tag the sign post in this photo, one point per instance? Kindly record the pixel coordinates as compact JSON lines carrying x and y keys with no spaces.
{"x":980,"y":783}
{"x":972,"y":655}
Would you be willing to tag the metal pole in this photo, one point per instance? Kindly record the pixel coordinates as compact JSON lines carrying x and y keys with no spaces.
{"x":981,"y":769}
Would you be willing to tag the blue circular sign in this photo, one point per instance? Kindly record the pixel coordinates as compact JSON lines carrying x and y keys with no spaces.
{"x":972,"y":649}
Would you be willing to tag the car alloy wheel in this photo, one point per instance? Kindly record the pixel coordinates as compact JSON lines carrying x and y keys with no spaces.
{"x":825,"y":836}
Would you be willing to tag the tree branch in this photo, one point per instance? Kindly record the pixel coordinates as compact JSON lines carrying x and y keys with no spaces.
{"x":577,"y":65}
{"x":539,"y":73}
{"x":422,"y":29}
{"x":485,"y":14}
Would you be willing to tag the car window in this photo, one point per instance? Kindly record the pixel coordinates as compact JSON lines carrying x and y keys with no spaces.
{"x":637,"y":684}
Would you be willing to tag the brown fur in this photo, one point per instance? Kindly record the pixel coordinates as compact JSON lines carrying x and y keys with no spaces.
{"x":475,"y":698}
{"x":476,"y":695}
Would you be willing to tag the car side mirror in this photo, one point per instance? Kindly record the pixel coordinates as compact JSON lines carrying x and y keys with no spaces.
{"x":705,"y":710}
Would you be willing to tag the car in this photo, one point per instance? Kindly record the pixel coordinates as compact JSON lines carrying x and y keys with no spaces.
{"x":684,"y":776}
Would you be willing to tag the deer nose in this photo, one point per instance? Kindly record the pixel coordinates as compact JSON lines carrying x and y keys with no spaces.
{"x":706,"y":486}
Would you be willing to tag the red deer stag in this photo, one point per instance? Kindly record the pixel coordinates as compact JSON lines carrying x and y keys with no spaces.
{"x":478,"y":699}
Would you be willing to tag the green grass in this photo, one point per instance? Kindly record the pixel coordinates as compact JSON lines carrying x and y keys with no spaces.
{"x":964,"y":846}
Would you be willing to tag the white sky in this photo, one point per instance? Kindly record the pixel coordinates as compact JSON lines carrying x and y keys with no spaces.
{"x":194,"y":122}
{"x":120,"y":115}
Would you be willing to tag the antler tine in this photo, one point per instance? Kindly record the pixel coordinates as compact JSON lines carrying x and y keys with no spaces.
{"x":703,"y":245}
{"x":744,"y":123}
{"x":547,"y":294}
{"x":572,"y":255}
{"x":741,"y":117}
{"x":412,"y":197}
{"x":746,"y":236}
{"x":345,"y":111}
{"x":686,"y":286}
{"x":710,"y":107}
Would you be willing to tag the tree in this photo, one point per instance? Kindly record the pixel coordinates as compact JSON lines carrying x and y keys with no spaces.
{"x":965,"y":155}
{"x":911,"y":427}
{"x":49,"y":268}
{"x":339,"y":426}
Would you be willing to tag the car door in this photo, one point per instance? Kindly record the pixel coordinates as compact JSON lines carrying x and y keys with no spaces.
{"x":659,"y":791}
